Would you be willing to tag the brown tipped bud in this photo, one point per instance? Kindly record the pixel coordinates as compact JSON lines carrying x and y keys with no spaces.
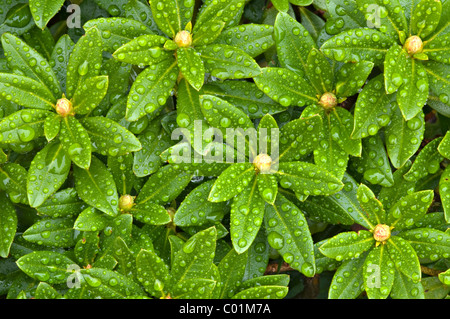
{"x":381,"y":233}
{"x":262,"y":163}
{"x":413,"y":45}
{"x":64,"y":107}
{"x":126,"y":202}
{"x":183,"y":39}
{"x":328,"y":101}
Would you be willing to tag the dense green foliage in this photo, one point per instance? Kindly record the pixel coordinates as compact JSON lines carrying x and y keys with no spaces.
{"x":224,"y":149}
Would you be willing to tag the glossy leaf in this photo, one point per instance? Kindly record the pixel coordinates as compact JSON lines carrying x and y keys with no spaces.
{"x":60,"y":58}
{"x":351,"y":77}
{"x":307,"y":179}
{"x":194,"y":259}
{"x":247,"y":211}
{"x":378,"y":273}
{"x":404,"y":257}
{"x":191,"y":67}
{"x":23,"y":126}
{"x":172,"y":16}
{"x":151,"y":89}
{"x":293,"y":43}
{"x":403,"y":137}
{"x":89,"y":94}
{"x":85,"y":61}
{"x":44,"y":10}
{"x":372,"y":110}
{"x":91,"y":220}
{"x":8,"y":219}
{"x":372,"y":207}
{"x":348,"y":245}
{"x":288,"y":233}
{"x":227,"y":62}
{"x":47,"y":173}
{"x":117,"y":31}
{"x":150,"y":213}
{"x":428,"y":243}
{"x":226,"y":11}
{"x":75,"y":141}
{"x":394,"y":67}
{"x":96,"y":187}
{"x":232,"y":181}
{"x":427,"y":161}
{"x":28,"y":62}
{"x":152,"y":272}
{"x":358,"y":45}
{"x":297,"y":91}
{"x":110,"y":138}
{"x":46,"y":266}
{"x":425,"y":17}
{"x":444,"y":190}
{"x":231,"y":270}
{"x":53,"y":232}
{"x":352,"y":286}
{"x":13,"y":179}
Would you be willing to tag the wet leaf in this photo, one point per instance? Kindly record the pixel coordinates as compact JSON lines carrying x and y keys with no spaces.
{"x":75,"y":141}
{"x":23,"y":126}
{"x":44,"y":10}
{"x":378,"y":273}
{"x":53,"y":232}
{"x":8,"y":219}
{"x":347,"y":245}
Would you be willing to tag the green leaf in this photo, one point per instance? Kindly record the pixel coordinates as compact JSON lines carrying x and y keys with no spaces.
{"x":47,"y":173}
{"x":96,"y":187}
{"x":172,"y":16}
{"x":8,"y":220}
{"x":152,"y":272}
{"x":227,"y":62}
{"x":287,"y":232}
{"x":110,"y":138}
{"x":195,"y":258}
{"x":341,"y":126}
{"x":151,"y":89}
{"x":347,"y":245}
{"x":121,"y":167}
{"x":428,"y":243}
{"x":263,"y":292}
{"x":413,"y":93}
{"x":25,"y":91}
{"x":165,"y":185}
{"x":268,"y":280}
{"x":403,"y":137}
{"x":374,"y":162}
{"x":89,"y":94}
{"x":378,"y":273}
{"x":75,"y":141}
{"x":394,"y":67}
{"x":53,"y":232}
{"x":231,"y":270}
{"x":247,"y":211}
{"x":85,"y":61}
{"x":91,"y":220}
{"x":307,"y":179}
{"x":108,"y":284}
{"x":26,"y":61}
{"x":126,"y":261}
{"x":427,"y":161}
{"x":191,"y":67}
{"x":86,"y":248}
{"x":437,"y":49}
{"x":372,"y":207}
{"x":444,"y":191}
{"x":319,"y":71}
{"x":46,"y":266}
{"x":297,"y":91}
{"x":229,"y":12}
{"x":196,"y":210}
{"x":208,"y":33}
{"x":358,"y":45}
{"x":267,"y":187}
{"x":60,"y":58}
{"x":151,"y":213}
{"x":405,"y":288}
{"x":13,"y":180}
{"x":52,"y":126}
{"x":425,"y":18}
{"x":351,"y":77}
{"x":117,"y":31}
{"x":293,"y":43}
{"x":16,"y":18}
{"x":232,"y":181}
{"x":253,"y":39}
{"x":144,"y":50}
{"x":348,"y":280}
{"x":444,"y":145}
{"x":196,"y":288}
{"x":245,"y":96}
{"x":44,"y":10}
{"x":372,"y":109}
{"x":388,"y":17}
{"x":23,"y":126}
{"x":45,"y":291}
{"x":311,"y":22}
{"x":438,"y":81}
{"x":404,"y":257}
{"x":299,"y":137}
